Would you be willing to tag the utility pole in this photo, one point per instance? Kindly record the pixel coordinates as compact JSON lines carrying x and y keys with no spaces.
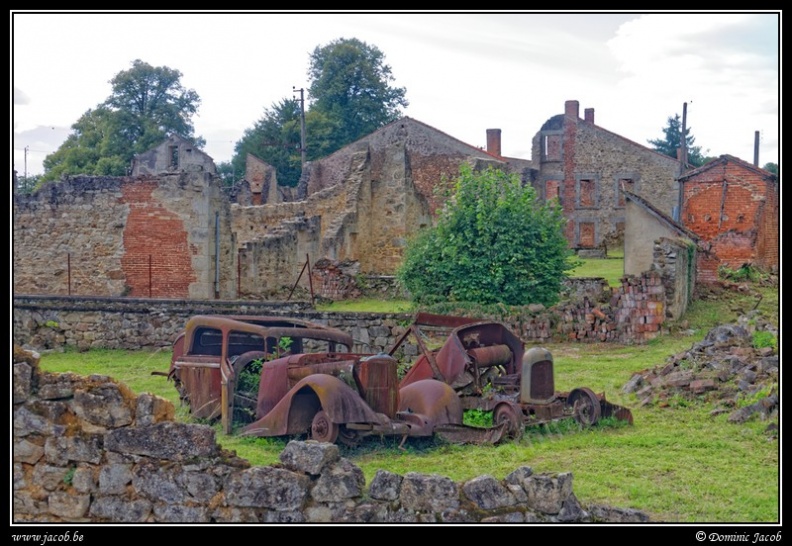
{"x":302,"y":124}
{"x":25,"y":188}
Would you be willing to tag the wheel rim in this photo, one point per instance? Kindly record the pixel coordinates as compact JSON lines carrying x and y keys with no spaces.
{"x":586,"y":406}
{"x":323,"y":429}
{"x":507,"y":414}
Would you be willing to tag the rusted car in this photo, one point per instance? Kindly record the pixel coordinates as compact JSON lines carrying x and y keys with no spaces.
{"x":309,"y":384}
{"x":489,"y":368}
{"x":215,"y":351}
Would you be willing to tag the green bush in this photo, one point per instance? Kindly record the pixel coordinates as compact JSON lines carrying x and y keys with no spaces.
{"x":745,"y":272}
{"x":763,"y":338}
{"x":494,"y":242}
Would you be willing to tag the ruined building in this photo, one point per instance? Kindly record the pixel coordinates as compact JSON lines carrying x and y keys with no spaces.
{"x":732,"y":205}
{"x":361,"y":203}
{"x":171,"y":230}
{"x":585,"y":167}
{"x":174,"y":155}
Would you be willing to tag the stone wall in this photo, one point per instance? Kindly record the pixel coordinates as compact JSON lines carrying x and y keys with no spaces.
{"x":675,"y":260}
{"x":89,"y":450}
{"x":633,"y":313}
{"x":48,"y":322}
{"x":584,"y":165}
{"x":146,"y":236}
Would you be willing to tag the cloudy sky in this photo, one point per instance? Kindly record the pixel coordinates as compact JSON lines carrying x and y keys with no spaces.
{"x":464,"y":72}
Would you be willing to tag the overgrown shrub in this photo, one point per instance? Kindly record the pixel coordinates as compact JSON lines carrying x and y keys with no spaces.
{"x":494,"y":242}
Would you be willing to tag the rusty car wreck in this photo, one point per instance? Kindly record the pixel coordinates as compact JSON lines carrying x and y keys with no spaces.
{"x":307,"y":381}
{"x":489,"y":368}
{"x":302,"y":386}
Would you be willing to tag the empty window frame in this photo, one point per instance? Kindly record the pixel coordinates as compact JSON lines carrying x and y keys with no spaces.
{"x":586,"y":192}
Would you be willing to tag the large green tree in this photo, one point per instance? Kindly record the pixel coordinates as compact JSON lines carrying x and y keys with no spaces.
{"x":672,"y":139}
{"x":350,"y":96}
{"x":351,"y":84}
{"x":275,"y":139}
{"x":147,"y":104}
{"x":494,"y":242}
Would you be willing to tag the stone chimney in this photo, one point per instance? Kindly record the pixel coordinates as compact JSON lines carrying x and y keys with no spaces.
{"x":572,"y":109}
{"x":589,"y":113}
{"x":494,"y":142}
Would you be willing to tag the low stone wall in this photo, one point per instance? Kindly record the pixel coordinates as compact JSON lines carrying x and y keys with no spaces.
{"x":633,"y":313}
{"x":48,"y":322}
{"x":87,"y":449}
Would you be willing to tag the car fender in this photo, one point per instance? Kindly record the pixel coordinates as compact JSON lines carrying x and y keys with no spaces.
{"x":294,"y":412}
{"x":434,"y":401}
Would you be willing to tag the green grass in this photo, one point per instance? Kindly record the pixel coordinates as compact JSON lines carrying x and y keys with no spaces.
{"x":676,"y":463}
{"x":610,"y":268}
{"x":367,"y":305}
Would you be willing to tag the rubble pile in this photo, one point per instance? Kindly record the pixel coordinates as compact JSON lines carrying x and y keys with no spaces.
{"x":726,"y":368}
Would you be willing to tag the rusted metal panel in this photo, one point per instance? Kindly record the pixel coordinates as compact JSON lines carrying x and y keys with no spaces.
{"x":437,"y":404}
{"x":201,"y":384}
{"x":379,"y":384}
{"x":454,"y":358}
{"x":495,"y":355}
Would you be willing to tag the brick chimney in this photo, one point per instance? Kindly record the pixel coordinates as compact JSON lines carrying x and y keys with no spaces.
{"x":589,"y":115}
{"x":572,"y":109}
{"x":494,"y":142}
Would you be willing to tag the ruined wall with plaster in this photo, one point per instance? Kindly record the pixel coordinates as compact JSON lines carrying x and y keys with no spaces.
{"x":89,"y":450}
{"x":175,"y":154}
{"x":362,"y":203}
{"x":149,"y":236}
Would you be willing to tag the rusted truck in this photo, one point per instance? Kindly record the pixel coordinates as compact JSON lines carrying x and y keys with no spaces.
{"x":307,"y":382}
{"x":489,"y":368}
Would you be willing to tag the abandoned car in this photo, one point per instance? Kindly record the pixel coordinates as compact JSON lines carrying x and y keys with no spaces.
{"x":279,"y":377}
{"x":302,"y":381}
{"x":489,"y":368}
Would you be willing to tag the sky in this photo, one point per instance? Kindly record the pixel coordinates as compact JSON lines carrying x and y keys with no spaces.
{"x":464,"y":72}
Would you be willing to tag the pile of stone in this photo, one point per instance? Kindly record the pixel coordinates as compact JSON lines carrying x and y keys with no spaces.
{"x":724,"y":368}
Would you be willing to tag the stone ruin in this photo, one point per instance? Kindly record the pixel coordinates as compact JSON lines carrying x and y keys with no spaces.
{"x":724,"y":368}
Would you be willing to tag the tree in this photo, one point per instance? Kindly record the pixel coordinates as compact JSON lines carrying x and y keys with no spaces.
{"x":771,"y":167}
{"x":671,"y":141}
{"x":275,"y":139}
{"x":493,"y":242}
{"x":351,"y":97}
{"x":146,"y":105}
{"x":350,"y":84}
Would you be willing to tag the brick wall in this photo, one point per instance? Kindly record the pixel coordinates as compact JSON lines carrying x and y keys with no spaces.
{"x":734,"y":208}
{"x":155,"y":246}
{"x":113,"y":236}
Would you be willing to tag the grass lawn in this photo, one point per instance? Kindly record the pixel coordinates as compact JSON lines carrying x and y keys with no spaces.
{"x":367,"y":305}
{"x":676,"y":463}
{"x":610,"y":268}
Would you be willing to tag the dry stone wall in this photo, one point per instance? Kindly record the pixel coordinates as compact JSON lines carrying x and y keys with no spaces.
{"x":87,"y":449}
{"x":634,"y":313}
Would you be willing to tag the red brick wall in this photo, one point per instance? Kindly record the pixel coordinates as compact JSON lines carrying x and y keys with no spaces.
{"x":568,"y":189}
{"x":730,"y":207}
{"x":157,"y":260}
{"x":767,"y":238}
